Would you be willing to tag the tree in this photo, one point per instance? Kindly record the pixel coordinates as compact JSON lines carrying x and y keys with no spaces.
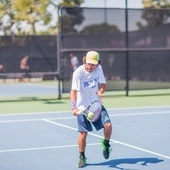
{"x":31,"y":12}
{"x":155,"y":13}
{"x":70,"y":16}
{"x":20,"y":17}
{"x":23,"y":16}
{"x":71,"y":3}
{"x":156,"y":4}
{"x":100,"y":28}
{"x":6,"y":17}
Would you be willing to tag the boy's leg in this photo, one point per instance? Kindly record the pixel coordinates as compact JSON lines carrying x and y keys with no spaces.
{"x":105,"y":142}
{"x":82,"y":146}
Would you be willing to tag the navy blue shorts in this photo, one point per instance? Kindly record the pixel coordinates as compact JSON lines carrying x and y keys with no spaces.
{"x":85,"y":126}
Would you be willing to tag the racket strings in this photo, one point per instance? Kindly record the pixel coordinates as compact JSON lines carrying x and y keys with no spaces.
{"x":96,"y":109}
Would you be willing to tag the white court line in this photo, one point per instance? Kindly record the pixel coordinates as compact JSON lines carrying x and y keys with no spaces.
{"x":92,"y":134}
{"x":33,"y":113}
{"x":33,"y":149}
{"x":115,"y":141}
{"x":68,"y":111}
{"x":140,"y":113}
{"x":44,"y":148}
{"x":34,"y":120}
{"x":73,"y":117}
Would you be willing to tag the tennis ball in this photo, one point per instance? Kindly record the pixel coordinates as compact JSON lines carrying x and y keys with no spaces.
{"x":90,"y":115}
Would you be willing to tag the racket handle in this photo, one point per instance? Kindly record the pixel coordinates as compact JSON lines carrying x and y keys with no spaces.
{"x":80,"y":112}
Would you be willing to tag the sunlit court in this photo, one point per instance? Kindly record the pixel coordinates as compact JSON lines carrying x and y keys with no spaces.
{"x":61,"y":61}
{"x":45,"y":140}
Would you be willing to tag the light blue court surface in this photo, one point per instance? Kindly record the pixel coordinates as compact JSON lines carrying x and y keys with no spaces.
{"x":27,"y":89}
{"x":48,"y":141}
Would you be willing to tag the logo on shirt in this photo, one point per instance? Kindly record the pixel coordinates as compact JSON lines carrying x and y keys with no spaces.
{"x":91,"y":83}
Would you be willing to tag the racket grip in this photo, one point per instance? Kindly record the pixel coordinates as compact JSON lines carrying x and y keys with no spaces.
{"x":80,"y":112}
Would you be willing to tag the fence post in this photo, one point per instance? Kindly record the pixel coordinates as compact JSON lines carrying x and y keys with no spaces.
{"x":127,"y":46}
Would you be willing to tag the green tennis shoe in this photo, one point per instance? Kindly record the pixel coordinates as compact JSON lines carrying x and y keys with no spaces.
{"x":106,"y":149}
{"x":82,"y":162}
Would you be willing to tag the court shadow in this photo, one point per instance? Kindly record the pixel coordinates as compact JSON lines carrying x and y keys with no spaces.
{"x":53,"y":102}
{"x":116,"y":163}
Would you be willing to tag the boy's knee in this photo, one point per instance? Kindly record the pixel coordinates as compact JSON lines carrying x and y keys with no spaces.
{"x":108,"y":125}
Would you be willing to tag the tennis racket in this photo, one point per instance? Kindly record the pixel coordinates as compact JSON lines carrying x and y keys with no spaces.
{"x":92,"y":112}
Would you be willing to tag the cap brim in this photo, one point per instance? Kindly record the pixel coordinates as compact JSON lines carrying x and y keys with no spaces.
{"x":92,"y":61}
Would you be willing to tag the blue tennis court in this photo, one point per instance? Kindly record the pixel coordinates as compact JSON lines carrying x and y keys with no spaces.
{"x":140,"y":141}
{"x":27,"y":89}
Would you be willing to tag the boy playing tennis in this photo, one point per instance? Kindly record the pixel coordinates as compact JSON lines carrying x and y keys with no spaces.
{"x":89,"y":84}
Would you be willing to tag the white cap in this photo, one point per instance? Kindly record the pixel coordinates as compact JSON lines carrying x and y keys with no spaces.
{"x":92,"y":57}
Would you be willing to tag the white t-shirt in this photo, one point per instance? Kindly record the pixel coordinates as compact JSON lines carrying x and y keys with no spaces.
{"x":74,"y":62}
{"x":87,"y":84}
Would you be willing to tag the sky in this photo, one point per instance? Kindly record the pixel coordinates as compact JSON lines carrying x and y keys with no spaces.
{"x":110,"y":3}
{"x":97,"y":4}
{"x":113,"y":3}
{"x":105,"y":4}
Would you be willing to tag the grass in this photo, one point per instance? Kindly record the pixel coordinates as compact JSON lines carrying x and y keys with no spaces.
{"x":111,"y":100}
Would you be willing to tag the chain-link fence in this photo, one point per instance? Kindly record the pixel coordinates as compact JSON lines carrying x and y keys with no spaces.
{"x":134,"y":45}
{"x":29,"y":67}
